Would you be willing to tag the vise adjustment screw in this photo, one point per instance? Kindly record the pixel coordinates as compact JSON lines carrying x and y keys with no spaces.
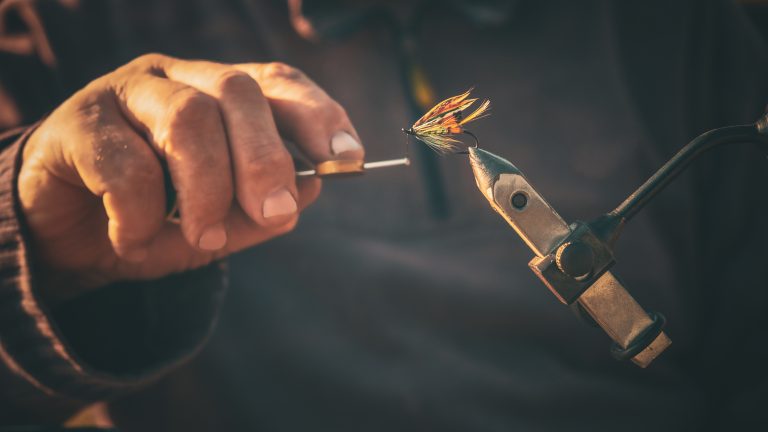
{"x":575,"y":259}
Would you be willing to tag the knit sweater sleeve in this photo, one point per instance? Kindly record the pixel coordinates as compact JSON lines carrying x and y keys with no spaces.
{"x":118,"y":338}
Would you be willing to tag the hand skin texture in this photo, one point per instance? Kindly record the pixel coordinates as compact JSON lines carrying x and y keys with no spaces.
{"x":91,"y":181}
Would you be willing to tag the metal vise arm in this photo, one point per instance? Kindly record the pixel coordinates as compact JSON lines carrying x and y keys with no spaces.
{"x":544,"y":231}
{"x":574,"y":261}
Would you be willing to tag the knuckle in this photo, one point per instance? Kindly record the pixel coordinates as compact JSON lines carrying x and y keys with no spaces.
{"x":141,"y":170}
{"x":97,"y":86}
{"x":334,"y":112}
{"x":189,"y":107}
{"x":235,"y":82}
{"x":193,"y":103}
{"x":151,"y":63}
{"x":266,"y":162}
{"x":93,"y":113}
{"x":149,"y":59}
{"x":339,"y":110}
{"x":281,"y":70}
{"x":135,"y":173}
{"x":190,"y":115}
{"x":322,"y":108}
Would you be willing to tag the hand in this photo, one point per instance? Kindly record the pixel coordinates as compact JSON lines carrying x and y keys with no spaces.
{"x":91,"y":182}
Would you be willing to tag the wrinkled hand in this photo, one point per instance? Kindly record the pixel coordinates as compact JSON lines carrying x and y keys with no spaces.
{"x":91,"y":182}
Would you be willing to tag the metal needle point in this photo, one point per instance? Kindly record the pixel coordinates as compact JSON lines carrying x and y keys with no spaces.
{"x":368,"y":165}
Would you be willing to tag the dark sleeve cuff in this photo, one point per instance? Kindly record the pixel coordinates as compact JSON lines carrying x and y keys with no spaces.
{"x":98,"y":345}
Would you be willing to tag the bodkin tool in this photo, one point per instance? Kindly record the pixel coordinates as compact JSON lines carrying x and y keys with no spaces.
{"x":342,"y":168}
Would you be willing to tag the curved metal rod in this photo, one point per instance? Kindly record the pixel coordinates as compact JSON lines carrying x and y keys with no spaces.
{"x":609,"y":226}
{"x":679,"y":162}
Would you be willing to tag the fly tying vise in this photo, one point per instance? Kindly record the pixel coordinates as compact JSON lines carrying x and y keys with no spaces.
{"x":574,"y":260}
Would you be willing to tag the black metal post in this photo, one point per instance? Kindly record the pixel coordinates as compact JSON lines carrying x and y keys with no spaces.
{"x":608,"y":226}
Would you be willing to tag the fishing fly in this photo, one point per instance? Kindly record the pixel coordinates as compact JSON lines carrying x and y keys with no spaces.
{"x":438,"y":127}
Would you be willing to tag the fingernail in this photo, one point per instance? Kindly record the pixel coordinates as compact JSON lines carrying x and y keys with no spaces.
{"x":136,"y":255}
{"x":213,"y":238}
{"x":279,"y":203}
{"x":343,"y":142}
